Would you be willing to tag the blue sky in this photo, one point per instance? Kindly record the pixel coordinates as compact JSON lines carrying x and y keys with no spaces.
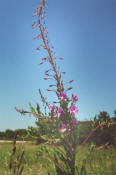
{"x":83,"y":32}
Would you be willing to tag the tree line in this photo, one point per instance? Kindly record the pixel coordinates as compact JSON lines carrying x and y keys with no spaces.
{"x":103,"y":135}
{"x":44,"y":129}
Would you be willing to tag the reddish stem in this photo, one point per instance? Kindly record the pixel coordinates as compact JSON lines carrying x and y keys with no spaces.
{"x":97,"y":127}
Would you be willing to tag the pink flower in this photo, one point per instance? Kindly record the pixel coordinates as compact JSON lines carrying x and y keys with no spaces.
{"x":74,"y":97}
{"x":75,"y":122}
{"x":62,"y":96}
{"x":63,"y":128}
{"x":59,"y":112}
{"x":73,"y":109}
{"x":55,"y":115}
{"x":52,"y":107}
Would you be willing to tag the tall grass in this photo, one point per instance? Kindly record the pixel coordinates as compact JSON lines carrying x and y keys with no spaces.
{"x":98,"y":162}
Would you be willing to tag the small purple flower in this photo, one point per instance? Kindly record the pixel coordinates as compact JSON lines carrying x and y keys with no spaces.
{"x":74,"y":97}
{"x":63,"y":128}
{"x":59,"y":112}
{"x":73,"y":109}
{"x":62,"y":96}
{"x":75,"y":122}
{"x":52,"y":107}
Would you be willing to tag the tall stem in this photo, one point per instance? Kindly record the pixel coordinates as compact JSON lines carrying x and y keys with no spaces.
{"x":49,"y":52}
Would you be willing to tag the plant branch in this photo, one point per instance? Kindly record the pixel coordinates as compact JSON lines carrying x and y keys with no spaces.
{"x":97,"y":127}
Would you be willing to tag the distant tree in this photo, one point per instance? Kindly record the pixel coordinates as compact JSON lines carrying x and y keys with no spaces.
{"x":45,"y":128}
{"x":102,"y":117}
{"x":2,"y":135}
{"x":21,"y":132}
{"x":115,"y":112}
{"x":83,"y":130}
{"x":9,"y":134}
{"x":105,"y":134}
{"x":114,"y":118}
{"x":33,"y":131}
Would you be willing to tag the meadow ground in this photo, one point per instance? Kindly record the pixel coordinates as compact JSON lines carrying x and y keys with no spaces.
{"x":99,"y":162}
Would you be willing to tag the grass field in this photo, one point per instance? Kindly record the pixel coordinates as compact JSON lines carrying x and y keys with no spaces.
{"x":99,"y":162}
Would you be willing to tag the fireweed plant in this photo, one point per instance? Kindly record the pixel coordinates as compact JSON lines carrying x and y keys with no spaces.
{"x":61,"y":116}
{"x":62,"y":113}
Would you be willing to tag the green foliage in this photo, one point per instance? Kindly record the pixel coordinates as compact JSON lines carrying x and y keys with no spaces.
{"x":102,"y":117}
{"x":105,"y":134}
{"x":84,"y":129}
{"x":38,"y":109}
{"x":21,"y":132}
{"x":57,"y":155}
{"x":9,"y":134}
{"x":45,"y":128}
{"x":32,"y":109}
{"x":99,"y":162}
